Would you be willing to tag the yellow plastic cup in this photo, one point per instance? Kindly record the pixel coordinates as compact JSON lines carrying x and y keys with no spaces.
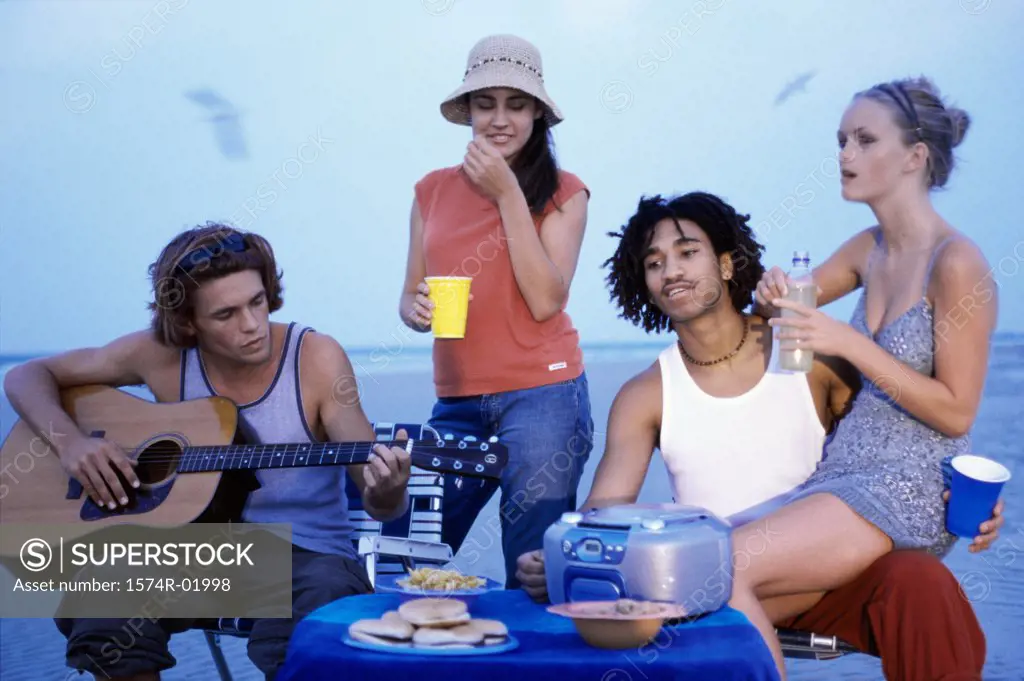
{"x":451,"y":305}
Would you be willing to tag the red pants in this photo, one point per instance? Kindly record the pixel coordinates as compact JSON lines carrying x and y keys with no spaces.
{"x":908,"y":609}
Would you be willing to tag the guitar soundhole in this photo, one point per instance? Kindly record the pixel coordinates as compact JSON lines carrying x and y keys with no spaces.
{"x":158,"y":462}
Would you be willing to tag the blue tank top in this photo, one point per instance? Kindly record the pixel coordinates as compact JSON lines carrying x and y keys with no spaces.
{"x":311,"y":499}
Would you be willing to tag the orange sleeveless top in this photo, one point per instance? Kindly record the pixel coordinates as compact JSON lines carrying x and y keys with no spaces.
{"x":504,"y":347}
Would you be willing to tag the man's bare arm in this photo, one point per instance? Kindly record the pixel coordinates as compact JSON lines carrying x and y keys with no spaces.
{"x":838,"y":383}
{"x":34,"y":389}
{"x":633,"y":426}
{"x":384,"y":487}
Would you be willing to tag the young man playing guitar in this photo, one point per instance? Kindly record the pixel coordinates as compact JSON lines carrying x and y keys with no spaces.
{"x":737,"y":434}
{"x":214,"y":291}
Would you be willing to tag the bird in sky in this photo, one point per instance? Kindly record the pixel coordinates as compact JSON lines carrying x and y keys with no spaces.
{"x":226,"y":120}
{"x":799,"y":84}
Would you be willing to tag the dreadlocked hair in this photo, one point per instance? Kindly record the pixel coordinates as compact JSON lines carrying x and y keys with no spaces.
{"x":728,"y":231}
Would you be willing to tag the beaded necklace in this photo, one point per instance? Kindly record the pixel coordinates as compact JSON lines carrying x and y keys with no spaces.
{"x":743,"y":339}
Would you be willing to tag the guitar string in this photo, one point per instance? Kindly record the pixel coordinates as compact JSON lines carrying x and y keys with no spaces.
{"x":323,"y":449}
{"x":316,"y":446}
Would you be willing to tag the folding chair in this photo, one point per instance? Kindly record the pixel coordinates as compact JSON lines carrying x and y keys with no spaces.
{"x":384,"y":548}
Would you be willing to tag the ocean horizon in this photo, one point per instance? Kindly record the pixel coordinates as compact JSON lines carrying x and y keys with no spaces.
{"x":401,"y":356}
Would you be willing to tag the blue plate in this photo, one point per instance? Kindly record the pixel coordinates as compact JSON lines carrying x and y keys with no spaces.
{"x":388,"y":584}
{"x":511,"y":643}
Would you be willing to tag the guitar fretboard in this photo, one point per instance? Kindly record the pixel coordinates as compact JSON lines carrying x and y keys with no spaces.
{"x":249,"y":457}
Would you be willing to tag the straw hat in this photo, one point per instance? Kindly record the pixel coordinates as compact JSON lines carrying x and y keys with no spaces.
{"x":501,"y":61}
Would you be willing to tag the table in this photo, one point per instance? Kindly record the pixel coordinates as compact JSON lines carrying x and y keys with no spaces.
{"x":721,"y":646}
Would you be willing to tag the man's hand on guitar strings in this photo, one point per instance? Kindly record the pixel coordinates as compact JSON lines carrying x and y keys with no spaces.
{"x":387,"y":474}
{"x":95,"y":463}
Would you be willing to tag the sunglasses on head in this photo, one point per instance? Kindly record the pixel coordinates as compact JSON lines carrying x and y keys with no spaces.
{"x":203,"y":255}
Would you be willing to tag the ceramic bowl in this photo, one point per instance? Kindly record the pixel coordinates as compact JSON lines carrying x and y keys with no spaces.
{"x":617,"y":625}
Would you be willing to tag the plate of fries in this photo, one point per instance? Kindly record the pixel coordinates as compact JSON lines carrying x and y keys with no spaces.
{"x":437,"y":583}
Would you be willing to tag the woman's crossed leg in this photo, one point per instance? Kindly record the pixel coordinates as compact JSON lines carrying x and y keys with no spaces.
{"x":815,"y":544}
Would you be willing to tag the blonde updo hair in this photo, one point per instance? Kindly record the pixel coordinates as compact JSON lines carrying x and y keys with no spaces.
{"x":919,"y":110}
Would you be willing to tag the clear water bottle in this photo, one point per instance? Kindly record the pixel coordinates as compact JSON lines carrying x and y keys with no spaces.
{"x":801,"y":289}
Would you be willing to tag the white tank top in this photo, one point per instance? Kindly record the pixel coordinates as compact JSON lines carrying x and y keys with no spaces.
{"x":731,"y":454}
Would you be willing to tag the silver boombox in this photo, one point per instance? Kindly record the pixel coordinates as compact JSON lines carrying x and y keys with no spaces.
{"x":654,"y":552}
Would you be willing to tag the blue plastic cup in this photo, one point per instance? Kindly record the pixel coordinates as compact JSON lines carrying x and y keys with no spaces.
{"x":975,"y":485}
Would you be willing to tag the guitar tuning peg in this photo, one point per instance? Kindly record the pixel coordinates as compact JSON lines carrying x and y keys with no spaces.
{"x":492,"y":439}
{"x":469,"y":438}
{"x":449,"y":437}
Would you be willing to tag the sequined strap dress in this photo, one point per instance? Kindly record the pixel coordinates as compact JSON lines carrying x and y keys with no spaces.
{"x":883,"y":462}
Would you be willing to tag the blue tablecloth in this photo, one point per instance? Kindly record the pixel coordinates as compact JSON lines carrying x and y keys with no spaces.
{"x":720,"y":646}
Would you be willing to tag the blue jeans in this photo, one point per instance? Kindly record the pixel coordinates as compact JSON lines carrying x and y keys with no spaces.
{"x":549,"y":433}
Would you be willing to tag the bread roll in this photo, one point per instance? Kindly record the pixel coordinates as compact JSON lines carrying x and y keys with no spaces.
{"x":392,"y":618}
{"x":434,"y":612}
{"x":434,"y":636}
{"x":429,"y":623}
{"x":385,"y":629}
{"x":377,"y":640}
{"x":489,"y":627}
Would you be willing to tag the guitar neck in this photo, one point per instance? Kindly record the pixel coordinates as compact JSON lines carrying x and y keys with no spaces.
{"x":253,"y":457}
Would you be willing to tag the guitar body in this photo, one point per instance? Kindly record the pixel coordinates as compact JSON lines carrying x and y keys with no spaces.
{"x":34,"y":487}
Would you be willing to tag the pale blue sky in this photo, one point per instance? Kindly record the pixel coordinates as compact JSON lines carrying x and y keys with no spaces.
{"x":104,"y":158}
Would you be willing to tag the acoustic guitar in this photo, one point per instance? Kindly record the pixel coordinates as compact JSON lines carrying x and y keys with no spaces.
{"x":182,"y":449}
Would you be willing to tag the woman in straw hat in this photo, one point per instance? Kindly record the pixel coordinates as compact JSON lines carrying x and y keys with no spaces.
{"x":508,"y":218}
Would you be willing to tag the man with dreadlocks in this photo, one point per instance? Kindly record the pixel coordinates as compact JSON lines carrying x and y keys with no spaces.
{"x":737,"y":433}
